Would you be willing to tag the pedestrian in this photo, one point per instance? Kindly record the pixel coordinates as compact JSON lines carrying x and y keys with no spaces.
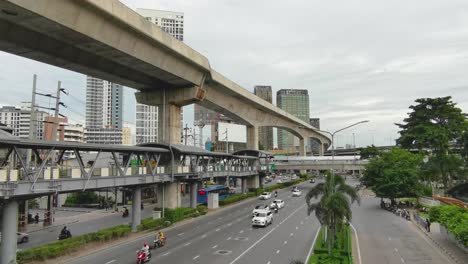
{"x":36,"y":218}
{"x":106,"y":204}
{"x":428,"y":225}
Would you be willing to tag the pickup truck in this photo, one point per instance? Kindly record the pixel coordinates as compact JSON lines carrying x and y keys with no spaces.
{"x":263,"y":218}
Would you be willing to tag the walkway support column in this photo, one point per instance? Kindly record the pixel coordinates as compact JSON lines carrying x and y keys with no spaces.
{"x":243,"y":184}
{"x":9,"y":228}
{"x":193,"y":194}
{"x":252,"y":137}
{"x":172,"y":195}
{"x":253,"y":182}
{"x":136,"y":209}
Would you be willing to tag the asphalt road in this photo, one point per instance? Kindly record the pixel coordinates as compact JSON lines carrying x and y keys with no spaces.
{"x":228,"y":237}
{"x":80,"y":228}
{"x":387,"y":238}
{"x":50,"y":235}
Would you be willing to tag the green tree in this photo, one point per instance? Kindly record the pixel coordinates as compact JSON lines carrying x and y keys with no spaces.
{"x":393,"y":174}
{"x":334,"y":205}
{"x":369,"y":152}
{"x":433,"y":124}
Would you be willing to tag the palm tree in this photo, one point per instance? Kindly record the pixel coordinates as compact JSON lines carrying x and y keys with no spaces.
{"x":334,"y":205}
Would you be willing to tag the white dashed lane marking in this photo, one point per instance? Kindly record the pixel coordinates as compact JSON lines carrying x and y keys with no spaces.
{"x":277,"y":251}
{"x":197,"y":256}
{"x":215,"y":246}
{"x":165,"y":254}
{"x":188,"y":243}
{"x":285,"y":242}
{"x":109,"y":262}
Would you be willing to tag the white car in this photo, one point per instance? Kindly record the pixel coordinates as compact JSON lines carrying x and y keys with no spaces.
{"x":262,"y":218}
{"x":260,"y":208}
{"x":296,"y":193}
{"x":277,"y":202}
{"x":265,"y":196}
{"x":20,"y":238}
{"x":279,"y":181}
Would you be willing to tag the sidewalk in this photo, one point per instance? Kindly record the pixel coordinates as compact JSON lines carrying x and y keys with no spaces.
{"x":82,"y":216}
{"x":444,"y":244}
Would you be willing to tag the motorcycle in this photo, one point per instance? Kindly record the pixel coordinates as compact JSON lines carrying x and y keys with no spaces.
{"x":125,"y":213}
{"x":157,"y":243}
{"x":141,"y":257}
{"x":276,"y":209}
{"x":65,"y":235}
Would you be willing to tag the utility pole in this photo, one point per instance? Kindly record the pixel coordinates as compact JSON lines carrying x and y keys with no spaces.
{"x":185,"y":133}
{"x":32,"y":119}
{"x":56,"y":114}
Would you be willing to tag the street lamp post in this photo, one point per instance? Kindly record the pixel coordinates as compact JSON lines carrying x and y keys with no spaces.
{"x":333,"y":137}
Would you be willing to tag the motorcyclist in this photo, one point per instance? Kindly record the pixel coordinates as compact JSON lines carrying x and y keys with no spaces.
{"x":276,"y":194}
{"x":276,"y":208}
{"x":161,"y":238}
{"x":146,"y":250}
{"x":64,"y":231}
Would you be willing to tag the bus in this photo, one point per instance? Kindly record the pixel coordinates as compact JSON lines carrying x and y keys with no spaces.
{"x":223,"y":192}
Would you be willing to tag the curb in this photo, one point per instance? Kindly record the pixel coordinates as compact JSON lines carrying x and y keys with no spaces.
{"x":442,"y":248}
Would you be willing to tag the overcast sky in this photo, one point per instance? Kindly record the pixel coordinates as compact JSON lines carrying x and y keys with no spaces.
{"x":366,"y":59}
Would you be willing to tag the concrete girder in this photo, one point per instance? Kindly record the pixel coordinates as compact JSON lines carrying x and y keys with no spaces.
{"x":62,"y":32}
{"x":108,"y":40}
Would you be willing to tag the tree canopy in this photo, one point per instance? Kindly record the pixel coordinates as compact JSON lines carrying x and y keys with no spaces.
{"x":393,"y":174}
{"x":433,"y":124}
{"x":369,"y":152}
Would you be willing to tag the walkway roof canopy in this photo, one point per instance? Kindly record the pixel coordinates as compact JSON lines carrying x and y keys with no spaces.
{"x":6,"y":140}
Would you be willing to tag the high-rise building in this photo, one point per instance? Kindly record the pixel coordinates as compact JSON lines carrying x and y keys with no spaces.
{"x":65,"y":132}
{"x":104,"y":111}
{"x":104,"y":104}
{"x":147,"y":116}
{"x":19,"y":120}
{"x":265,"y":134}
{"x":127,"y":136}
{"x":295,"y":102}
{"x":146,"y":123}
{"x":49,"y":124}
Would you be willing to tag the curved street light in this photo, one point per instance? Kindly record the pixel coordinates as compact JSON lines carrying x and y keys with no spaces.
{"x":332,"y":134}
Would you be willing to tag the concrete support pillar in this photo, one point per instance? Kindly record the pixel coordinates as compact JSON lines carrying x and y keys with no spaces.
{"x":252,"y":137}
{"x":302,"y":147}
{"x":243,"y":184}
{"x":169,"y":123}
{"x":253,"y":182}
{"x":172,"y":195}
{"x":321,"y":149}
{"x":193,"y":194}
{"x":9,"y":228}
{"x":136,"y":209}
